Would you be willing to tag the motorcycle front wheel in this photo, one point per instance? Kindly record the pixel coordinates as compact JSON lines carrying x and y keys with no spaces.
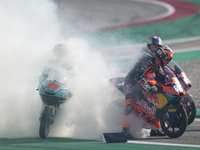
{"x":190,"y":108}
{"x":45,"y":122}
{"x":113,"y":115}
{"x":174,"y":121}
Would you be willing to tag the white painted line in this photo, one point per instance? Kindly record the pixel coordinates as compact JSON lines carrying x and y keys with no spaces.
{"x":166,"y":42}
{"x":132,"y":55}
{"x":165,"y":144}
{"x":169,"y":7}
{"x":187,"y":50}
{"x":182,"y":40}
{"x":130,"y":51}
{"x":197,"y":119}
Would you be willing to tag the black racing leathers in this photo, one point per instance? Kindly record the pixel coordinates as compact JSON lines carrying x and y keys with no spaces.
{"x":143,"y":69}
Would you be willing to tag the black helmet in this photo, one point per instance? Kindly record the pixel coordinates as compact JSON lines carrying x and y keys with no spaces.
{"x":165,"y":54}
{"x":154,"y":40}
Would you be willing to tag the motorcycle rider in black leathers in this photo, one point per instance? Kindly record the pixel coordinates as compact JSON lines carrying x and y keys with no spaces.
{"x":150,"y":59}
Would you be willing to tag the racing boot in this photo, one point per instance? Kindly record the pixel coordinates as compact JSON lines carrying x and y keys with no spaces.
{"x":125,"y":126}
{"x":157,"y":133}
{"x":125,"y":121}
{"x":127,"y":133}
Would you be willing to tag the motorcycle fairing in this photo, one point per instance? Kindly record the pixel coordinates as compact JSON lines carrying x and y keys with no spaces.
{"x":169,"y":83}
{"x":53,"y":88}
{"x":177,"y":69}
{"x":146,"y":107}
{"x":182,"y":77}
{"x":185,"y":81}
{"x":117,"y":80}
{"x":170,"y":91}
{"x":149,"y":119}
{"x":162,"y":101}
{"x":158,"y":100}
{"x":52,"y":100}
{"x":187,"y":95}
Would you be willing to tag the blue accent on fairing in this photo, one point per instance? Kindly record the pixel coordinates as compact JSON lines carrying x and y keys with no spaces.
{"x":61,"y":91}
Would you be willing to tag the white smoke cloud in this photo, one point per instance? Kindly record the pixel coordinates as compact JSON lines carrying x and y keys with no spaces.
{"x":29,"y":31}
{"x":84,"y":116}
{"x":136,"y":129}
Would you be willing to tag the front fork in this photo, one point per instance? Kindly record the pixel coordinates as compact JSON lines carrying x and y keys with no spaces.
{"x":53,"y":111}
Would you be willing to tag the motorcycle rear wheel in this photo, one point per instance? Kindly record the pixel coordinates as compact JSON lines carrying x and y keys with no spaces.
{"x":179,"y":129}
{"x":190,"y":108}
{"x":113,"y":115}
{"x":45,"y":123}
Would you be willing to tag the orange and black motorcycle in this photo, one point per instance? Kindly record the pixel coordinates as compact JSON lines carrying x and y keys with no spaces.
{"x":166,"y":109}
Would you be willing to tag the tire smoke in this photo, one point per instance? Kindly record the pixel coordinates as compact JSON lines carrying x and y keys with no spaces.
{"x":29,"y":31}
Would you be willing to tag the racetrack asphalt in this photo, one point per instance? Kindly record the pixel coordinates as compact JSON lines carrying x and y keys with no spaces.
{"x":113,"y":14}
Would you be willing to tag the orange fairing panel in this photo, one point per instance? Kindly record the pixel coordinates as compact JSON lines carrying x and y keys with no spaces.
{"x":170,"y":90}
{"x":148,"y":118}
{"x":153,"y":82}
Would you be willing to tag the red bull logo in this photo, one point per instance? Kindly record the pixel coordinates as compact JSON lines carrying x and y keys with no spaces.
{"x":144,"y":105}
{"x":152,"y":98}
{"x":173,"y":80}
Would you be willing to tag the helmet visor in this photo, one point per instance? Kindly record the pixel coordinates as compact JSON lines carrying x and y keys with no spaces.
{"x":156,"y":41}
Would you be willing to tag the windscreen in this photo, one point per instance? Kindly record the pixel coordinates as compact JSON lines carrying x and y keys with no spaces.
{"x":58,"y":74}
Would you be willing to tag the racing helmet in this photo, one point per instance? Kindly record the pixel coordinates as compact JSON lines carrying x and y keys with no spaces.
{"x":154,"y":40}
{"x":60,"y":49}
{"x":165,"y":54}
